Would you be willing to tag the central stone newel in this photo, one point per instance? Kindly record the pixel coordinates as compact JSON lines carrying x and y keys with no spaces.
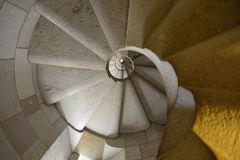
{"x":120,"y":66}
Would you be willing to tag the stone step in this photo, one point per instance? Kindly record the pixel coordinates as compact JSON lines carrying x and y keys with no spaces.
{"x":143,"y":16}
{"x":52,"y":46}
{"x":79,"y":108}
{"x":112,"y":16}
{"x":110,"y":152}
{"x":57,"y":83}
{"x":154,"y":101}
{"x":105,"y":121}
{"x":133,"y":116}
{"x":190,"y":22}
{"x":143,"y":61}
{"x":76,"y":18}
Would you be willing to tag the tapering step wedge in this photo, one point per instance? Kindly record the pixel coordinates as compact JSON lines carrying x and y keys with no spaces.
{"x":52,"y":46}
{"x":112,"y":15}
{"x":57,"y":83}
{"x":190,"y":22}
{"x":153,"y":100}
{"x":79,"y":108}
{"x":133,"y":116}
{"x":76,"y":18}
{"x":105,"y":121}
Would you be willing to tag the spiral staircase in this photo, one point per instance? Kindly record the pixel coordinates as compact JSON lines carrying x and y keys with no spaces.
{"x":128,"y":75}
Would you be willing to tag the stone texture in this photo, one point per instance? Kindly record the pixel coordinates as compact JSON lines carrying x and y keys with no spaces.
{"x":60,"y":125}
{"x":35,"y":83}
{"x":30,"y":105}
{"x":179,"y":121}
{"x":133,"y":116}
{"x":91,"y":146}
{"x":155,"y":132}
{"x":119,"y":156}
{"x":79,"y":108}
{"x":76,"y":18}
{"x":112,"y":15}
{"x":150,"y":149}
{"x":60,"y":149}
{"x":217,"y":121}
{"x":135,"y":139}
{"x":75,"y":137}
{"x":43,"y":128}
{"x":189,"y":23}
{"x":36,"y":151}
{"x":107,"y":114}
{"x":133,"y":153}
{"x":116,"y":142}
{"x":11,"y":19}
{"x":55,"y":84}
{"x":110,"y":151}
{"x":23,"y":4}
{"x":153,"y":100}
{"x":2,"y":135}
{"x":143,"y":17}
{"x":50,"y":112}
{"x":74,"y":156}
{"x":19,"y":132}
{"x":217,"y":59}
{"x":8,"y":96}
{"x":52,"y":46}
{"x":7,"y":152}
{"x":27,"y":29}
{"x":23,"y":74}
{"x":191,"y":148}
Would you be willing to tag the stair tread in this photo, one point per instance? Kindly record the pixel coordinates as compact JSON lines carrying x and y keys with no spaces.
{"x":105,"y":120}
{"x":154,"y":101}
{"x":112,"y":16}
{"x":143,"y":61}
{"x":151,"y":75}
{"x":52,"y":46}
{"x":76,"y":18}
{"x":212,"y":64}
{"x":79,"y":108}
{"x":190,"y":22}
{"x":110,"y":152}
{"x":55,"y":84}
{"x":133,"y":116}
{"x":142,"y":18}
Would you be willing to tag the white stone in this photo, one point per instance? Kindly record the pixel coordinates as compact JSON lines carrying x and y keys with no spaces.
{"x":11,"y":19}
{"x":2,"y":135}
{"x":36,"y":151}
{"x":143,"y":61}
{"x":133,"y":116}
{"x":153,"y":100}
{"x":79,"y":108}
{"x":35,"y":83}
{"x":8,"y":96}
{"x":150,"y":149}
{"x":133,"y":153}
{"x":180,"y":120}
{"x":55,"y":84}
{"x":27,"y":29}
{"x":112,"y":16}
{"x":108,"y":113}
{"x":155,"y":132}
{"x":152,"y":75}
{"x":135,"y":139}
{"x":110,"y":152}
{"x":43,"y":128}
{"x":75,"y":137}
{"x":119,"y":156}
{"x":23,"y":4}
{"x":60,"y":149}
{"x":60,"y":125}
{"x":7,"y":152}
{"x":50,"y":112}
{"x":82,"y":25}
{"x":52,"y":46}
{"x":23,"y":74}
{"x":91,"y":146}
